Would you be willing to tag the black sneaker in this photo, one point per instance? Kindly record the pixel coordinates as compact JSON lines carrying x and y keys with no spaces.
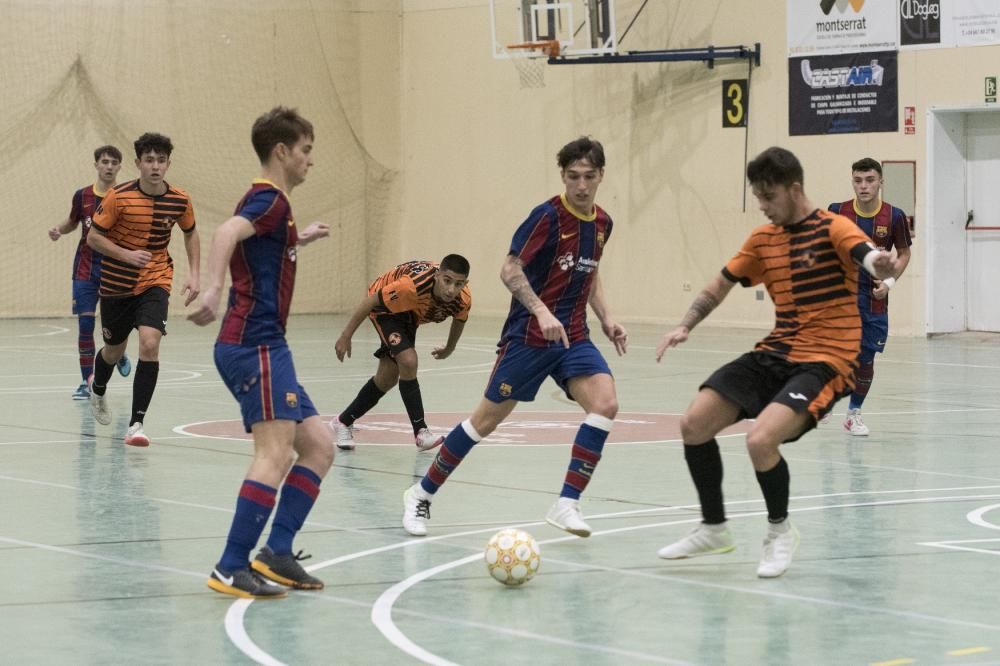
{"x":285,"y":569}
{"x":246,"y":584}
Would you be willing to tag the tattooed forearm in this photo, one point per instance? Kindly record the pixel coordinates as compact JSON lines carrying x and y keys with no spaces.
{"x":702,"y":306}
{"x":517,"y":283}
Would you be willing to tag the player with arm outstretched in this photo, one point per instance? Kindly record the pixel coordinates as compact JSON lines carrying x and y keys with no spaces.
{"x":808,"y":260}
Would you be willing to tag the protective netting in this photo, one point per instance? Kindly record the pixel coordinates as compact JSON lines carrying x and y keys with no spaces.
{"x":77,"y":75}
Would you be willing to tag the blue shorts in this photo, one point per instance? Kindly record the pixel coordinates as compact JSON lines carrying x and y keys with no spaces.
{"x":262,"y":379}
{"x":85,"y":296}
{"x":874,"y":331}
{"x":521,"y":369}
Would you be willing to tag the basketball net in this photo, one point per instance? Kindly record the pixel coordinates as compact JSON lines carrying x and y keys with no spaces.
{"x":531,"y":65}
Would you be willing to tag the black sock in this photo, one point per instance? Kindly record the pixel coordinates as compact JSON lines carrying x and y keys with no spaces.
{"x":367,"y":397}
{"x":102,"y":373}
{"x":705,"y":464}
{"x":409,"y":389}
{"x":143,"y":386}
{"x":775,"y":483}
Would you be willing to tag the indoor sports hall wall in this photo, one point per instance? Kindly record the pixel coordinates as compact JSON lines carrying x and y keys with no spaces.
{"x":480,"y":150}
{"x":79,"y":74}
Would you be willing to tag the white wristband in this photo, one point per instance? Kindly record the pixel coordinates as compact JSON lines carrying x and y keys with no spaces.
{"x":889,"y":282}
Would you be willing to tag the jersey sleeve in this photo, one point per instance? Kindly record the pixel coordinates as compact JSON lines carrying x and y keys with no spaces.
{"x":745,"y":267}
{"x":466,"y":296}
{"x":76,"y":208}
{"x":399,"y":296}
{"x":530,"y":237}
{"x":186,"y":223}
{"x":264,"y":209}
{"x":900,"y":229}
{"x":107,"y":212}
{"x":845,"y":236}
{"x":834,"y":208}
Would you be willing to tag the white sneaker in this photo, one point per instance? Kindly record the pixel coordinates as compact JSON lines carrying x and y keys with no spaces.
{"x":416,"y":510}
{"x":135,"y":436}
{"x":779,"y":546}
{"x":99,"y":405}
{"x":854,"y":425}
{"x":426,"y":440}
{"x":345,"y":435}
{"x":702,"y":540}
{"x":565,"y":514}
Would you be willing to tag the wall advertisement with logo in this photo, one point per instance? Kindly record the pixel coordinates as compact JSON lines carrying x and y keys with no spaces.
{"x":948,"y":23}
{"x":841,"y":26}
{"x":843,"y":94}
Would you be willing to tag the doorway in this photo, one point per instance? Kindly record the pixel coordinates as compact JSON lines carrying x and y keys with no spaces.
{"x":963,"y":226}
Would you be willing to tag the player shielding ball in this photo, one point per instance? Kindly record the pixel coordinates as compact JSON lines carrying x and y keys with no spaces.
{"x":808,"y":260}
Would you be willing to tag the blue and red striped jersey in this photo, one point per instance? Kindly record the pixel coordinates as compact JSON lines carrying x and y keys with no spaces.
{"x":560,"y":251}
{"x":887,"y":229}
{"x":86,"y":262}
{"x":262,"y":269}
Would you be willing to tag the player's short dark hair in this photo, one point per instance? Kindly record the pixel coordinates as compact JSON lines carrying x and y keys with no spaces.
{"x":775,"y":166}
{"x":456,"y":263}
{"x":279,"y":125}
{"x":110,"y":151}
{"x":867,"y":164}
{"x":583,"y":148}
{"x":151,"y":142}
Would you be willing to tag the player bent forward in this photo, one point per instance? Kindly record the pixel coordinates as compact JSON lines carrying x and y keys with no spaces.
{"x":808,"y":260}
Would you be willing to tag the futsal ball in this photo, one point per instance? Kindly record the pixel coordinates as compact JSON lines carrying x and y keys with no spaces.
{"x":512,"y":557}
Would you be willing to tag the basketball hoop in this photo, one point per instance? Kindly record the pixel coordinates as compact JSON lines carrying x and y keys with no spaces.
{"x":529,"y":59}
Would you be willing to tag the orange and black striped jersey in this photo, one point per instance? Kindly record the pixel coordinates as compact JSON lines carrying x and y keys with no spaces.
{"x":134,"y":220}
{"x":409,"y":288}
{"x":809,"y":271}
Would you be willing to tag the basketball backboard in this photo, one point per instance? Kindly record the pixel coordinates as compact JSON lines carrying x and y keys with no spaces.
{"x":582,"y":27}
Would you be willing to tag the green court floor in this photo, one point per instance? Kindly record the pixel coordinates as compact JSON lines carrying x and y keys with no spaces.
{"x":105,"y":549}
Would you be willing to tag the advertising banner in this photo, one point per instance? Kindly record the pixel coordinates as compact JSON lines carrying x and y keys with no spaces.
{"x":948,"y":23}
{"x":842,"y":94}
{"x":841,"y":26}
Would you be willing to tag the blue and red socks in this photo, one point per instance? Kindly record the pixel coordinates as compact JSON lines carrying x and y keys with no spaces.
{"x":253,"y":508}
{"x":454,"y":449}
{"x":85,"y":343}
{"x":863,"y":376}
{"x":587,"y":448}
{"x":297,"y":498}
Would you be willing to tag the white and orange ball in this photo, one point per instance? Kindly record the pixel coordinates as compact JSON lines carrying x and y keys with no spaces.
{"x":512,"y":557}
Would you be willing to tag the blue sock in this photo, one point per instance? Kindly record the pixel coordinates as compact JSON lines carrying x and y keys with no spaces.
{"x":587,"y":447}
{"x":456,"y":445}
{"x":85,"y":343}
{"x":297,"y":498}
{"x":253,"y":508}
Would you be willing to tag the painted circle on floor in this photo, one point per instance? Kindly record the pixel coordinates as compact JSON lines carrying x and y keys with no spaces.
{"x":521,"y":427}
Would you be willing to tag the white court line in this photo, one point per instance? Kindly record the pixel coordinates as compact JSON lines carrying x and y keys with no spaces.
{"x":102,"y":558}
{"x":952,"y":545}
{"x":382,"y":609}
{"x":976,"y":517}
{"x":57,"y":331}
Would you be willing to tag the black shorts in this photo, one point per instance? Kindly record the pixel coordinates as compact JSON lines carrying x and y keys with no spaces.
{"x":398,"y":332}
{"x":756,"y":379}
{"x":122,"y":314}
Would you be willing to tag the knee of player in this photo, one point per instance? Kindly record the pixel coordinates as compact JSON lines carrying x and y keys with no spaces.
{"x":608,"y":407}
{"x":759,"y":441}
{"x":692,"y":432}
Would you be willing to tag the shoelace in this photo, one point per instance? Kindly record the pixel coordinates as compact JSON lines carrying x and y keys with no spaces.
{"x":298,"y":557}
{"x":423,"y":508}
